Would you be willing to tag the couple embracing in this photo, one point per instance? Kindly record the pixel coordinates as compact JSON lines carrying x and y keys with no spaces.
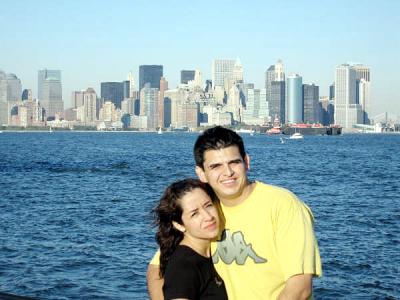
{"x":224,"y":237}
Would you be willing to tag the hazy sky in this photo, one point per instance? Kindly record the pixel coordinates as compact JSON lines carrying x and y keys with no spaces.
{"x":95,"y":41}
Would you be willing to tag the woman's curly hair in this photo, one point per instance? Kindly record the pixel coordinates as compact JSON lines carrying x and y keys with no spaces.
{"x":168,"y":210}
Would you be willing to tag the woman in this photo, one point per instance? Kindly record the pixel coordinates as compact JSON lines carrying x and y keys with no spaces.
{"x":188,"y":221}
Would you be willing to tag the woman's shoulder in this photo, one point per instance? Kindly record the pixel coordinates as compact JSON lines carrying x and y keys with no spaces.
{"x":185,"y":257}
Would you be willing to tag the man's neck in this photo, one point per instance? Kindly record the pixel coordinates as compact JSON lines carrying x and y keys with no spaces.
{"x":234,"y":201}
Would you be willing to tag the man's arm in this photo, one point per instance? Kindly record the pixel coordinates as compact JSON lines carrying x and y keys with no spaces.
{"x":154,"y":283}
{"x":297,"y":287}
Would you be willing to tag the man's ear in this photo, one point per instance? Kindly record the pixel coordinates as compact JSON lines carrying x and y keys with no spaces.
{"x":178,"y":226}
{"x":247,"y":162}
{"x":201,"y":174}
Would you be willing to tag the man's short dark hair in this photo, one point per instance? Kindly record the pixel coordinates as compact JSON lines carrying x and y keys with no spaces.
{"x":216,"y":138}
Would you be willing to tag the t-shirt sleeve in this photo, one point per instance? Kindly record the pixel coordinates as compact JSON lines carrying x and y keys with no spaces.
{"x":181,"y":280}
{"x":156,"y":258}
{"x":296,"y":244}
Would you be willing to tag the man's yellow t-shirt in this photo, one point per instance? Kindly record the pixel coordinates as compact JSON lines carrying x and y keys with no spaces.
{"x":267,"y":239}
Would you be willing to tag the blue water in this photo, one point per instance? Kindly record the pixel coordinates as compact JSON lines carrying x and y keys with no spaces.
{"x":75,"y":220}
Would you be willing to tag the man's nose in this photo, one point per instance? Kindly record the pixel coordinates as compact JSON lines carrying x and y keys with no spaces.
{"x":228,"y":170}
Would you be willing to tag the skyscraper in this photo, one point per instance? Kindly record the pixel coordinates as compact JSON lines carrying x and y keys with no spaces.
{"x":311,"y":103}
{"x":222,"y":73}
{"x":275,"y":90}
{"x":294,"y":99}
{"x":198,"y":79}
{"x":256,"y":112}
{"x":347,"y":111}
{"x":27,"y":94}
{"x":3,"y":99}
{"x":131,"y":80}
{"x":277,"y":100}
{"x":363,"y":91}
{"x":237,"y":72}
{"x":50,"y":91}
{"x":150,"y":74}
{"x":187,"y":75}
{"x":42,"y":75}
{"x":14,"y":88}
{"x":233,"y":104}
{"x":114,"y":92}
{"x":163,"y":88}
{"x":149,"y":98}
{"x":87,"y":111}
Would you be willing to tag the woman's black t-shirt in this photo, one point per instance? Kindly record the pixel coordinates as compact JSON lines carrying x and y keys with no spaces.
{"x":192,"y":276}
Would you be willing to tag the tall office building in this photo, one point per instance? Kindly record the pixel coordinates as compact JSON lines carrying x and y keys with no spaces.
{"x":294,"y":99}
{"x":163,"y":88}
{"x":279,"y":71}
{"x":187,"y":75}
{"x":87,"y":112}
{"x":222,"y":71}
{"x":233,"y":104}
{"x":3,"y":99}
{"x":347,"y":111}
{"x":363,"y":91}
{"x":150,"y":74}
{"x":256,"y":112}
{"x":42,"y":75}
{"x":132,"y":89}
{"x":114,"y":92}
{"x":50,"y":91}
{"x":198,"y":79}
{"x":326,"y":111}
{"x":77,"y":98}
{"x":311,"y":103}
{"x":14,"y":88}
{"x":332,"y":92}
{"x":269,"y":76}
{"x":275,"y":90}
{"x":277,"y":100}
{"x":237,"y":72}
{"x":27,"y":94}
{"x":149,"y":101}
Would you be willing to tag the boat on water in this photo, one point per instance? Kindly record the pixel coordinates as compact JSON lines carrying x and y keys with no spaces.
{"x":242,"y":130}
{"x":296,"y":136}
{"x":274,"y":130}
{"x":276,"y":127}
{"x":159,"y":131}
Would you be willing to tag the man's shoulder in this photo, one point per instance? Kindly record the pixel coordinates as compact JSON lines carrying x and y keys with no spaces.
{"x":279,"y":196}
{"x":262,"y":187}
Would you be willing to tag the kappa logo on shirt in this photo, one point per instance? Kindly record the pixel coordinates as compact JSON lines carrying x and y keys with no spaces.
{"x":233,"y":247}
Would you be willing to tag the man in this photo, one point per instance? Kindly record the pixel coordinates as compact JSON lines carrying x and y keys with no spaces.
{"x":268,"y":249}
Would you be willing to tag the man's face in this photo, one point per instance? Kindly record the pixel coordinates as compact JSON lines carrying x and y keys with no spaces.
{"x":225,"y":171}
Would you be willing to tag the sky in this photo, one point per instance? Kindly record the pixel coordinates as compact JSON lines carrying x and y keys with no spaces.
{"x":97,"y":41}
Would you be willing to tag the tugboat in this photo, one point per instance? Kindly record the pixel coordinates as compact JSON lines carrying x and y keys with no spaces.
{"x":276,"y":128}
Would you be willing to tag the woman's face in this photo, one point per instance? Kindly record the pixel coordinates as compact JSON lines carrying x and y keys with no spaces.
{"x":199,"y":215}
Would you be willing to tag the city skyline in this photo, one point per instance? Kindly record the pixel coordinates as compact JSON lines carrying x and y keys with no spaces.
{"x":311,"y":38}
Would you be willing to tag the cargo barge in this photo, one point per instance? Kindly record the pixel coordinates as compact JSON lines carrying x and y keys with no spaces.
{"x":310,"y":129}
